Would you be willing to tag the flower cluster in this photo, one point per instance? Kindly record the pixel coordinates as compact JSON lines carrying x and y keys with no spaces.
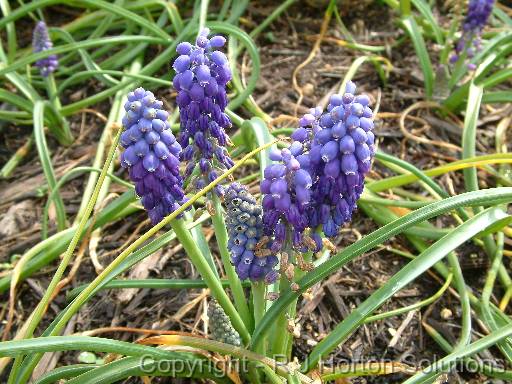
{"x":244,"y":225}
{"x":475,"y":21}
{"x":320,"y":176}
{"x":340,"y":157}
{"x":151,"y":154}
{"x":220,"y":325}
{"x":202,"y":73}
{"x":41,"y":42}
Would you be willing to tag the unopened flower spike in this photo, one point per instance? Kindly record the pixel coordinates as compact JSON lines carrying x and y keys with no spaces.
{"x":41,"y":42}
{"x":220,"y":325}
{"x":475,"y":21}
{"x":202,"y":73}
{"x":340,"y":157}
{"x":151,"y":155}
{"x":252,"y":259}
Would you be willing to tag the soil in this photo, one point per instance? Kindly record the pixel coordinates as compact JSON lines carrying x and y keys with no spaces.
{"x":283,"y":46}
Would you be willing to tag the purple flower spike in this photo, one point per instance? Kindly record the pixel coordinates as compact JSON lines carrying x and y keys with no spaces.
{"x":244,"y":225}
{"x":475,"y":21}
{"x":151,"y":155}
{"x":41,"y":42}
{"x":318,"y":179}
{"x":339,"y":176}
{"x":202,"y":73}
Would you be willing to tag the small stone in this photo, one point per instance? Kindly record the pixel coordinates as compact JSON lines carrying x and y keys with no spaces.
{"x":308,"y":89}
{"x":446,"y":314}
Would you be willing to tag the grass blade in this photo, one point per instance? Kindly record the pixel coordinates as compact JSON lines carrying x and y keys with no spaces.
{"x":407,"y":274}
{"x":77,"y":343}
{"x":425,"y":11}
{"x":469,"y":134}
{"x":46,"y":162}
{"x":65,"y":372}
{"x":416,"y":36}
{"x":118,"y":370}
{"x":446,"y":363}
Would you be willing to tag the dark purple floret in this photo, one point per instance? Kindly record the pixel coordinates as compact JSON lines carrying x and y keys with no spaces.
{"x":151,"y":155}
{"x":475,"y":21}
{"x":244,"y":223}
{"x":202,"y":73}
{"x":41,"y":42}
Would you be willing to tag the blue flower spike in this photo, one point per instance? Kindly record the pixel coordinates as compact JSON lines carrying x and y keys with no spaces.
{"x":202,"y":73}
{"x":151,"y":155}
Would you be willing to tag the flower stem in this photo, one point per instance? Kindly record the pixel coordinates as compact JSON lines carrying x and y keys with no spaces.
{"x":279,"y":346}
{"x":236,"y":286}
{"x":258,"y":299}
{"x":207,"y":274}
{"x":203,"y":14}
{"x":292,"y":311}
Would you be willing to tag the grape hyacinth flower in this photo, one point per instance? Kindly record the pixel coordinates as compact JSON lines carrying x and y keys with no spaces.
{"x":220,"y":326}
{"x":202,"y":73}
{"x":151,"y":155}
{"x":320,"y":176}
{"x":41,"y":42}
{"x":340,"y":157}
{"x":244,"y":223}
{"x":475,"y":21}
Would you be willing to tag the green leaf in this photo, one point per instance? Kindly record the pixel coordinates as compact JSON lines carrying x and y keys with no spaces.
{"x":111,"y":8}
{"x":425,"y":11}
{"x":414,"y":32}
{"x":48,"y":250}
{"x":407,"y":274}
{"x":11,"y":30}
{"x":46,"y":162}
{"x":80,"y":76}
{"x":446,"y":363}
{"x":469,"y":135}
{"x":113,"y":40}
{"x":493,"y":46}
{"x":89,"y":63}
{"x":79,"y":343}
{"x":497,"y":97}
{"x":186,"y":366}
{"x":65,"y":372}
